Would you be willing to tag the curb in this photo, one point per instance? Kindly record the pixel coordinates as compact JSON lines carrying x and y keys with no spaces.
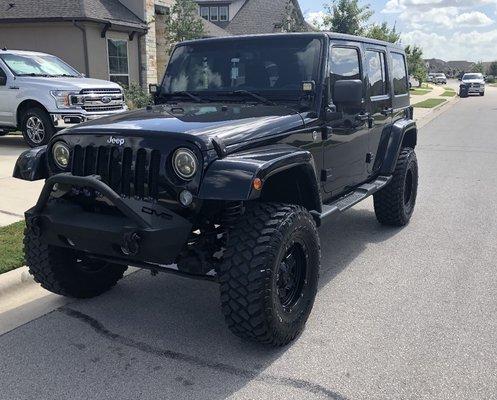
{"x":15,"y":280}
{"x":436,"y":111}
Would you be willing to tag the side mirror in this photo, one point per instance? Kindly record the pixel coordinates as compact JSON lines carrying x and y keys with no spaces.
{"x":348,"y":91}
{"x":3,"y":80}
{"x":153,"y":88}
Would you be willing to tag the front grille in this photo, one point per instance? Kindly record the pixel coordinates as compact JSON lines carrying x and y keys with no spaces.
{"x":100,"y":100}
{"x":127,"y":172}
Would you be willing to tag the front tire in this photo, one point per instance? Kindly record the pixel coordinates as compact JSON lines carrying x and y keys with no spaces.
{"x":60,"y":271}
{"x":482,"y":94}
{"x":270,"y":273}
{"x":394,"y":204}
{"x":36,"y":126}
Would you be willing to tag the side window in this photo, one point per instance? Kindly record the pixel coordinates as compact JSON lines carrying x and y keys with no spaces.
{"x":399,"y":72}
{"x":376,"y":66}
{"x":344,"y":64}
{"x":3,"y":78}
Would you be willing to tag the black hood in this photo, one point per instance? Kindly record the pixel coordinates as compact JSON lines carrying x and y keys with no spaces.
{"x":199,"y":123}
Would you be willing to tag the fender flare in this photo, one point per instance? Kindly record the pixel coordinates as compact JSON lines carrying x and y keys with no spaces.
{"x":32,"y":165}
{"x":231,"y":178}
{"x":399,"y":132}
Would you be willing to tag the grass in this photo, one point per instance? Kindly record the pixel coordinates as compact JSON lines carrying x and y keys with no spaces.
{"x":430,"y":103}
{"x":449,"y":93}
{"x":12,"y":256}
{"x":419,"y":92}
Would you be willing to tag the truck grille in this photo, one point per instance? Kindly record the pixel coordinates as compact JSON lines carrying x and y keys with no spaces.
{"x":127,"y":172}
{"x":100,"y":100}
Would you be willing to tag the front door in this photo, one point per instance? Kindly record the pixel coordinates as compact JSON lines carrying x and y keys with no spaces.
{"x":380,"y":103}
{"x":7,"y":100}
{"x":347,"y":145}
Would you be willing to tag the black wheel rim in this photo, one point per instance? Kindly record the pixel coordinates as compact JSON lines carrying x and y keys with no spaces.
{"x":291,"y":276}
{"x":408,"y":188}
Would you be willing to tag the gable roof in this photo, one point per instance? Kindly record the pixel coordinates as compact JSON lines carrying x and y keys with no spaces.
{"x":261,"y":16}
{"x":111,"y":11}
{"x":212,"y":30}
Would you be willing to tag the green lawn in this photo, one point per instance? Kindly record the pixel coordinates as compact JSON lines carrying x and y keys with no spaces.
{"x":417,"y":91}
{"x":449,"y":93}
{"x":11,"y":256}
{"x":430,"y":103}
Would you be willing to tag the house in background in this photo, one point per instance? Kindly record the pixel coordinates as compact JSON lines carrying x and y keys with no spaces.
{"x":124,"y":40}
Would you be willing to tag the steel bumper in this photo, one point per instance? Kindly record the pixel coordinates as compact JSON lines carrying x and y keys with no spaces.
{"x":141,"y":231}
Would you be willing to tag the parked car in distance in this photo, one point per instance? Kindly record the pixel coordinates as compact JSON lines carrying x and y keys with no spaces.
{"x":440,"y":78}
{"x":255,"y":141}
{"x":40,"y":94}
{"x":430,"y":77}
{"x":472,"y":83}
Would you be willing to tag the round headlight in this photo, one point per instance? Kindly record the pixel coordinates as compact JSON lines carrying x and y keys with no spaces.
{"x":61,"y":154}
{"x":185,"y":163}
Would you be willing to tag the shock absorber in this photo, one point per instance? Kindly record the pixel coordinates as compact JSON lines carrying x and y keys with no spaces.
{"x":233,"y":211}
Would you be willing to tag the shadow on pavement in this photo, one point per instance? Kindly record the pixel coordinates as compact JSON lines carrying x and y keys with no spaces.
{"x":176,"y":324}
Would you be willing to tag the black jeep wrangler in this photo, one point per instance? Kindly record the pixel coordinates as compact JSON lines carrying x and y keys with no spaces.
{"x":253,"y":143}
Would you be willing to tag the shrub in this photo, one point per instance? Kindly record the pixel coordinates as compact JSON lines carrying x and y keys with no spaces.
{"x":136,"y":97}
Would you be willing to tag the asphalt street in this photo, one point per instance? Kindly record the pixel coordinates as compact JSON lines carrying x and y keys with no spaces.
{"x":400,"y":314}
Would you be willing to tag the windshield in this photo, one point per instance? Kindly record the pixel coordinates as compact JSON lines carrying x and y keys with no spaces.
{"x":268,"y":66}
{"x":38,"y":65}
{"x":440,"y":75}
{"x":473,"y":76}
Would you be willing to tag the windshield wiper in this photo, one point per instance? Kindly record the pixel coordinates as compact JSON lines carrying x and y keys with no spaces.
{"x":188,"y":94}
{"x":33,"y":74}
{"x":65,"y":76}
{"x":255,"y":96}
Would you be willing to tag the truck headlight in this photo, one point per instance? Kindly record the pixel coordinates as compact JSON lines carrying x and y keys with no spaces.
{"x":63,"y":98}
{"x":185,"y":163}
{"x":61,"y":154}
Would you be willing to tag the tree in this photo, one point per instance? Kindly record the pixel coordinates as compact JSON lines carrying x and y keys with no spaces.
{"x":478,"y":67}
{"x":290,"y":21}
{"x":383,"y":32}
{"x":183,"y":23}
{"x":346,"y":16}
{"x":492,"y":70}
{"x":416,"y":64}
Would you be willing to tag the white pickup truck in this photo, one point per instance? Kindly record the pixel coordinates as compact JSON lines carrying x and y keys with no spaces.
{"x":40,"y":94}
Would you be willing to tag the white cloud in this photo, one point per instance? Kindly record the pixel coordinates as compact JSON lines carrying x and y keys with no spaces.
{"x":398,"y":6}
{"x":315,"y":17}
{"x":449,"y":17}
{"x":471,"y":46}
{"x":474,"y":18}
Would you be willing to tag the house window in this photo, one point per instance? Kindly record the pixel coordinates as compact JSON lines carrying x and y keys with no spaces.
{"x":223,"y":13}
{"x":118,"y":61}
{"x":204,"y":12}
{"x":214,"y":13}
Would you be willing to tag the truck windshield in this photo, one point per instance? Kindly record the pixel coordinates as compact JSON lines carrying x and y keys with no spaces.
{"x":472,"y":76}
{"x":38,"y":65}
{"x":272,"y":67}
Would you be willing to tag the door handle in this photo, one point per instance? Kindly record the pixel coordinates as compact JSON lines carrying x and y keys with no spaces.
{"x":387,"y":111}
{"x":14,"y":87}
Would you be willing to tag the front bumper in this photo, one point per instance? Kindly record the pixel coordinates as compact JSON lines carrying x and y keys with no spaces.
{"x":141,"y":232}
{"x":67,"y":120}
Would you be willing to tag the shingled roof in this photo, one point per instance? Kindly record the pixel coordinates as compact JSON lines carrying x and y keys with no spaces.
{"x":94,"y":10}
{"x":261,"y":16}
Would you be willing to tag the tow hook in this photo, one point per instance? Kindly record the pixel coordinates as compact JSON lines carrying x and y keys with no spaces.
{"x":131,"y":245}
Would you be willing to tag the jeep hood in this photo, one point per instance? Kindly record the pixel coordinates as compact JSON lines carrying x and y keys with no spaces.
{"x":199,"y":123}
{"x":75,"y":84}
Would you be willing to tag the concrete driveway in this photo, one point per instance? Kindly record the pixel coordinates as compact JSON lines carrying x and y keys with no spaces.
{"x":400,"y":314}
{"x":15,"y":196}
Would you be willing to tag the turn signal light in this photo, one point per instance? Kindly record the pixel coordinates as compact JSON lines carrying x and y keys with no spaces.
{"x":257,"y":184}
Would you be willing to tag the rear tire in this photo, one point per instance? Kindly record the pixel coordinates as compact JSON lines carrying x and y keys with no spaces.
{"x":36,"y":126}
{"x":270,"y":273}
{"x":60,"y":271}
{"x":394,"y":204}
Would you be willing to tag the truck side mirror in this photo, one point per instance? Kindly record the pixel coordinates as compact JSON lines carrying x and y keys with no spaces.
{"x":153,"y":88}
{"x":348,"y":91}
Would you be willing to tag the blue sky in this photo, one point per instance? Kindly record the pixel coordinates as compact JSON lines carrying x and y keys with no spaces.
{"x":446,"y":29}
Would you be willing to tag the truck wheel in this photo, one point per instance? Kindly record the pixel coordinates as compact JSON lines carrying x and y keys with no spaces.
{"x":463,"y":93}
{"x":270,"y":273}
{"x":395,"y":203}
{"x":36,"y":127}
{"x":60,"y":271}
{"x":482,"y":94}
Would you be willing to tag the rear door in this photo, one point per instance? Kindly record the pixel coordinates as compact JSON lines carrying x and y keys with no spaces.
{"x":380,"y":102}
{"x":400,"y":85}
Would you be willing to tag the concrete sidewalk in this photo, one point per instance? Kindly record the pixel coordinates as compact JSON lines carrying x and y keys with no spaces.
{"x":424,"y":115}
{"x":16,"y":196}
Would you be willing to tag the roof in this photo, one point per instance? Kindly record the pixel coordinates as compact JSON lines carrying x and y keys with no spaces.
{"x":111,"y":11}
{"x":261,"y":16}
{"x":212,"y":30}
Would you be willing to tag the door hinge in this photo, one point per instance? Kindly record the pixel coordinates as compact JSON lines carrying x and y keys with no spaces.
{"x":326,"y":175}
{"x":369,"y":158}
